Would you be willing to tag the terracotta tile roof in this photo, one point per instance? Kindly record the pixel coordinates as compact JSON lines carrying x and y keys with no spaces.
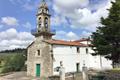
{"x":67,"y":43}
{"x":83,"y":39}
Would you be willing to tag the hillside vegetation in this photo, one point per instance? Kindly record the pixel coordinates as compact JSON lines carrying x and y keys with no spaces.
{"x":12,"y":60}
{"x":19,"y":50}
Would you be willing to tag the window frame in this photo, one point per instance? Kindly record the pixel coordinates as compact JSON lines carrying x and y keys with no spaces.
{"x":78,"y":49}
{"x":77,"y":67}
{"x":38,"y":52}
{"x":86,"y":50}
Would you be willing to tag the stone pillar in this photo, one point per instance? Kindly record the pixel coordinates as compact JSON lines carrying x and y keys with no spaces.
{"x":84,"y":73}
{"x":62,"y":71}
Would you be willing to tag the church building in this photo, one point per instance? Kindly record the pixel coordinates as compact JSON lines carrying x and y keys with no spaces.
{"x":44,"y":54}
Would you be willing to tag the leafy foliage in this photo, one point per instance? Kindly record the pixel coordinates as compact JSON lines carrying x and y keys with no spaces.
{"x":107,"y":37}
{"x":13,"y":63}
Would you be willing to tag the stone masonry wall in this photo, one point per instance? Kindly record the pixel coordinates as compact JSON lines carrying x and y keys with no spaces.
{"x":45,"y":59}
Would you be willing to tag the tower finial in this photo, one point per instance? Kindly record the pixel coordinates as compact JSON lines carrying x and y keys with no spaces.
{"x":43,"y":0}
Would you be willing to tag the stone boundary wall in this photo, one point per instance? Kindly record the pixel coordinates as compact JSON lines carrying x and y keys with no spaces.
{"x":69,"y":76}
{"x":54,"y":78}
{"x":104,"y":76}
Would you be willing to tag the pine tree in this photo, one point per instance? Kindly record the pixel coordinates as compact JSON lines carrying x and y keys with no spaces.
{"x":106,"y":39}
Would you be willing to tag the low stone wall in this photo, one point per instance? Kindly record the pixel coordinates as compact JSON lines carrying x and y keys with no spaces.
{"x":104,"y":75}
{"x":74,"y":76}
{"x":112,"y":76}
{"x":54,"y":78}
{"x":69,"y":76}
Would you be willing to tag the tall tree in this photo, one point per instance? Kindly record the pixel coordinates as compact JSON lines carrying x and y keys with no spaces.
{"x":106,"y":39}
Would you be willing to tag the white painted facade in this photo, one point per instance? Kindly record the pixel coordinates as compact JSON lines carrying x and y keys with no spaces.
{"x":70,"y":57}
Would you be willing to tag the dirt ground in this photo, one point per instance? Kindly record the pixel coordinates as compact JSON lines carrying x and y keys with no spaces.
{"x":17,"y":76}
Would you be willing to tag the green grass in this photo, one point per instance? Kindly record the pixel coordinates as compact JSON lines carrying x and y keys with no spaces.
{"x":0,"y":70}
{"x":116,"y":69}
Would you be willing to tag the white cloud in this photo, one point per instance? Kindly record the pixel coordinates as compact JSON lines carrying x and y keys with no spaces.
{"x":13,"y":39}
{"x":79,"y":12}
{"x":4,"y":43}
{"x":58,"y":20}
{"x":60,"y":35}
{"x":85,"y":34}
{"x":91,"y":19}
{"x":68,"y":5}
{"x":87,"y":16}
{"x":66,"y":35}
{"x":8,"y":34}
{"x":72,"y":36}
{"x":10,"y":21}
{"x":27,"y":25}
{"x":25,"y":36}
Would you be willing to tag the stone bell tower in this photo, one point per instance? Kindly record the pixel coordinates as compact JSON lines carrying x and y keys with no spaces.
{"x":39,"y":55}
{"x":43,"y":22}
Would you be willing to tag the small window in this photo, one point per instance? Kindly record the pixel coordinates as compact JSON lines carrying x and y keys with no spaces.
{"x":86,"y":50}
{"x":40,"y":18}
{"x":78,"y":50}
{"x":39,"y":25}
{"x":38,"y":52}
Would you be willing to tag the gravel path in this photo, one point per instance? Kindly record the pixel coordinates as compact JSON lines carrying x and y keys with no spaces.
{"x":17,"y":76}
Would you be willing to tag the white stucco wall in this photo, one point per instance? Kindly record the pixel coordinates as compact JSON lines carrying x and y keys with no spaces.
{"x":85,"y":42}
{"x":69,"y":56}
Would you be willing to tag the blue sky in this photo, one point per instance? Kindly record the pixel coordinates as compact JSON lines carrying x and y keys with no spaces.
{"x":72,"y":19}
